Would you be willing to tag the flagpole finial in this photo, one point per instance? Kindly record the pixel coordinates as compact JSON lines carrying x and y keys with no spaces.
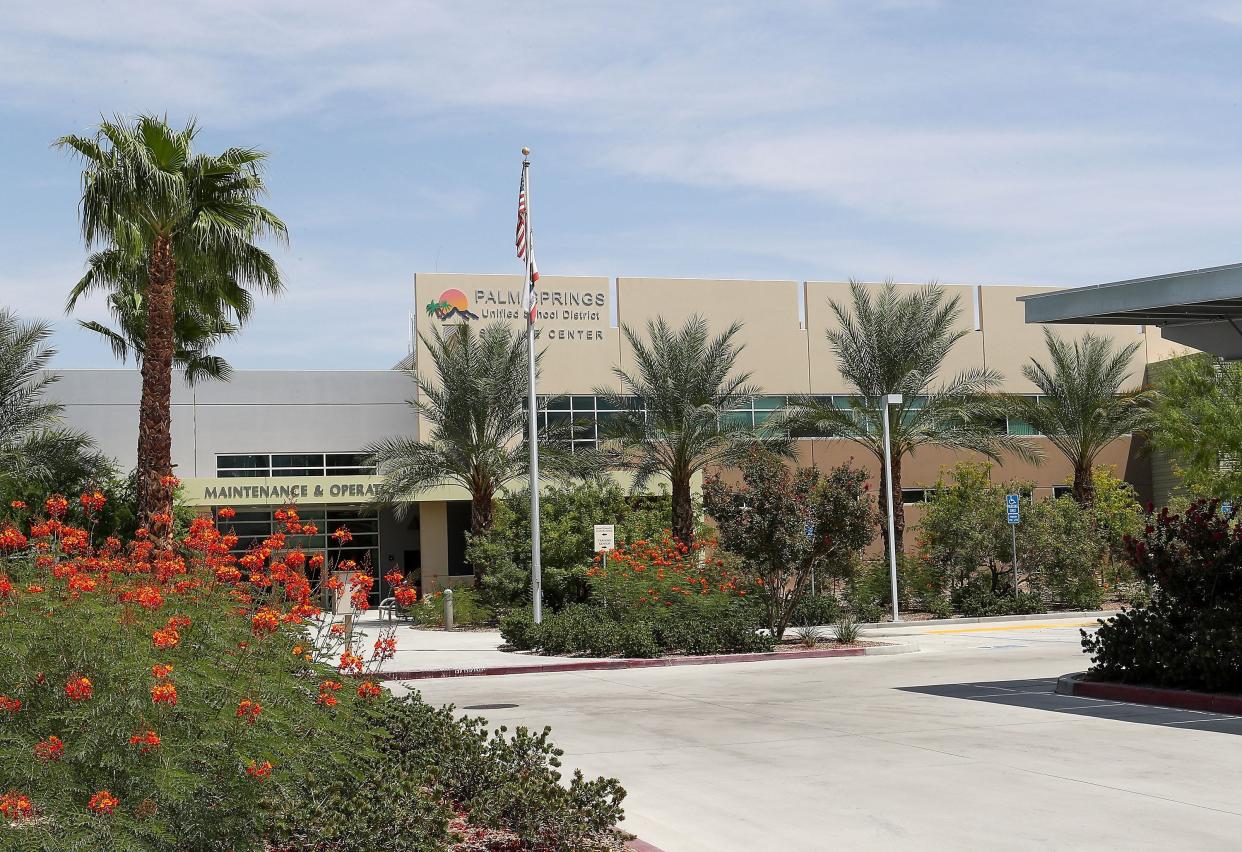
{"x":525,"y":152}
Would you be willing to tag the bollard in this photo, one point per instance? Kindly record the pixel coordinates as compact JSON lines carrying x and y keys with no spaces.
{"x":448,"y":609}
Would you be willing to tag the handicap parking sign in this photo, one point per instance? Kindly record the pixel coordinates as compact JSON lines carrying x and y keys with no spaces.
{"x":1012,"y":512}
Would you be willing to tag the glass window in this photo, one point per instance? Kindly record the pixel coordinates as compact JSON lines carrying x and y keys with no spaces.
{"x":242,"y":461}
{"x":583,"y":403}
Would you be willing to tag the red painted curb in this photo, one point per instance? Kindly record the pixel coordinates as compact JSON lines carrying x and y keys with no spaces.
{"x":641,"y":846}
{"x":1180,"y":698}
{"x":612,"y":665}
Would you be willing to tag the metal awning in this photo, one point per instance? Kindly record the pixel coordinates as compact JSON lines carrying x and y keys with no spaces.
{"x":1200,"y":308}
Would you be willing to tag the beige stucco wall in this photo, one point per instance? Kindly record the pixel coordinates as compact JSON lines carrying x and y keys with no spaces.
{"x":1009,"y":342}
{"x":826,"y":378}
{"x":774,"y":343}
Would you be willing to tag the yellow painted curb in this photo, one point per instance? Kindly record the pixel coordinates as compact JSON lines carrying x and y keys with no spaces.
{"x":1013,"y":627}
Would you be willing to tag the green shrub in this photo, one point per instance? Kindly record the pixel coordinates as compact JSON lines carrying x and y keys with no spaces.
{"x":468,"y":609}
{"x":426,"y":754}
{"x":977,"y":599}
{"x":593,"y":631}
{"x":816,"y":610}
{"x":847,"y":631}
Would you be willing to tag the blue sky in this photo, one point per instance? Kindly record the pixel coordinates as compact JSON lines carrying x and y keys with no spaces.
{"x":981,"y":142}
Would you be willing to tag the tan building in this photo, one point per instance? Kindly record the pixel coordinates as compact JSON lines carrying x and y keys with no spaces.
{"x":267,"y":438}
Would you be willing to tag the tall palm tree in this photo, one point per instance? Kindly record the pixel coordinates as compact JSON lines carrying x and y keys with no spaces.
{"x":32,"y":439}
{"x":145,"y":189}
{"x":673,"y":411}
{"x":205,"y":313}
{"x":891,"y":340}
{"x":474,"y":401}
{"x":1081,"y":408}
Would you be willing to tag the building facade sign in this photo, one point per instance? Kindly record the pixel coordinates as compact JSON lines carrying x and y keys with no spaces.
{"x":565,"y":312}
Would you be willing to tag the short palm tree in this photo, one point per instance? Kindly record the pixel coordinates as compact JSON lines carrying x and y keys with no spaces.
{"x":205,"y":313}
{"x":673,"y":410}
{"x":892,"y":340}
{"x":32,"y":439}
{"x":474,"y":401}
{"x":1081,"y":408}
{"x":145,"y":190}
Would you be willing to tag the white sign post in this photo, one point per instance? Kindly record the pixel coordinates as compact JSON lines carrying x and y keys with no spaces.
{"x":604,"y":540}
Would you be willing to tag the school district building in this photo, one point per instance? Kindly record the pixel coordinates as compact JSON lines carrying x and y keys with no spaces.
{"x":272,"y":437}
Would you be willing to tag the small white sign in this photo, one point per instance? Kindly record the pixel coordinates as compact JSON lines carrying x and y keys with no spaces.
{"x":604,"y":537}
{"x":342,"y":603}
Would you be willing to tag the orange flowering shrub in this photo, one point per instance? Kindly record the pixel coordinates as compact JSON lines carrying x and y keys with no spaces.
{"x":650,"y":597}
{"x":117,"y":657}
{"x":663,"y":573}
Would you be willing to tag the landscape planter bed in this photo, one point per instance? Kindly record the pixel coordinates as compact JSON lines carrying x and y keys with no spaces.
{"x":614,"y":663}
{"x":1182,"y":699}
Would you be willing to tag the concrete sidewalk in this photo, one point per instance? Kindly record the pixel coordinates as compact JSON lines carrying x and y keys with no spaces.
{"x":420,"y":649}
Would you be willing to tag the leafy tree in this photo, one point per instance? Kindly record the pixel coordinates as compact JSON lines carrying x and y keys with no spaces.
{"x":894,"y":342}
{"x":964,"y":531}
{"x":673,"y":411}
{"x":34,"y":444}
{"x":1082,"y":408}
{"x":568,"y":514}
{"x":1198,"y":417}
{"x":474,"y":401}
{"x":205,"y":312}
{"x":146,"y":191}
{"x":784,"y":524}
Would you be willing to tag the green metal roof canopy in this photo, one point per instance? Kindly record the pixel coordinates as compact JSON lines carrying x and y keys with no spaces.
{"x":1201,"y":308}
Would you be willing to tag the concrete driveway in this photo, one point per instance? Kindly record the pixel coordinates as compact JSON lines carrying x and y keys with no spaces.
{"x":963,"y":746}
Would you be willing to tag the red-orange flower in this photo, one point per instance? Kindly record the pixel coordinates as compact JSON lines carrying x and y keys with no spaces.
{"x":351,"y":663}
{"x":79,"y":689}
{"x":15,"y":806}
{"x":405,"y":595}
{"x":166,"y":637}
{"x":56,"y":506}
{"x":103,"y":803}
{"x":368,"y":689}
{"x":49,"y":749}
{"x":161,"y":670}
{"x":343,"y":535}
{"x":259,"y":770}
{"x":265,"y":622}
{"x":11,"y":540}
{"x":164,"y":693}
{"x":227,"y":513}
{"x":92,"y":501}
{"x":10,"y":705}
{"x":146,"y":741}
{"x":248,"y":710}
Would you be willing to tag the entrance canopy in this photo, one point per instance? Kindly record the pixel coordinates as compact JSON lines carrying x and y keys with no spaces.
{"x":1201,"y":308}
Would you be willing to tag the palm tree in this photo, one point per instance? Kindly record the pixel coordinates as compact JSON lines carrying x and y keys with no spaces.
{"x":673,"y":412}
{"x":32,"y":440}
{"x":205,"y":313}
{"x":475,"y":405}
{"x":145,"y":190}
{"x":890,"y":342}
{"x":1081,"y":408}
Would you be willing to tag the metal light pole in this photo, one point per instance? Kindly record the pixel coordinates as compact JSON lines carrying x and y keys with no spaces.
{"x":890,"y":399}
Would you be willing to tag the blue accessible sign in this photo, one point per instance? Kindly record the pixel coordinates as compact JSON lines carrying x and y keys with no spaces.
{"x":1012,"y":513}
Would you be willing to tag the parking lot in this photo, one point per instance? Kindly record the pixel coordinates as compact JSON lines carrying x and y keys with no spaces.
{"x":962,"y":746}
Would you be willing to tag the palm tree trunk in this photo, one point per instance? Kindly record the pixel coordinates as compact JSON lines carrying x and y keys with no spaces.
{"x":481,"y":509}
{"x":155,"y":409}
{"x":1084,"y":488}
{"x":899,"y":509}
{"x":683,"y":511}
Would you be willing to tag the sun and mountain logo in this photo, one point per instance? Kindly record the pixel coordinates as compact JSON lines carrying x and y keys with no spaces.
{"x":452,"y":303}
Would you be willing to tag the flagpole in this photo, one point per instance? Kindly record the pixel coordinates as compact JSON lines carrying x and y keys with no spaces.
{"x":536,"y":570}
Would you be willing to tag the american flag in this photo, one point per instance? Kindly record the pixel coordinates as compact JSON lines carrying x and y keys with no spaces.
{"x":528,"y":294}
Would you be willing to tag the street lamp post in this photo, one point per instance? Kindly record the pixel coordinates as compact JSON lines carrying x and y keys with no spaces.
{"x":890,"y":399}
